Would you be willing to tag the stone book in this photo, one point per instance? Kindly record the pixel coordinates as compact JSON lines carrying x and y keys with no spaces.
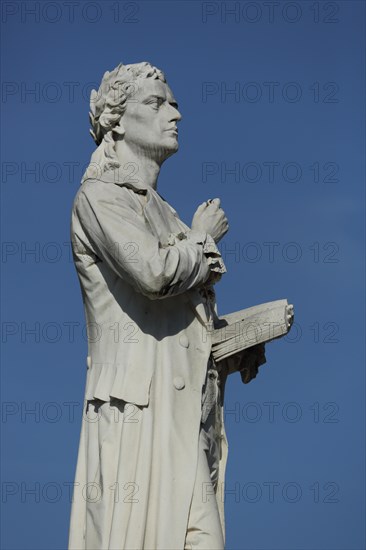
{"x":243,"y":329}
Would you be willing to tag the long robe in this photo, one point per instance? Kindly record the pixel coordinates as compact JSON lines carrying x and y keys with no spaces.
{"x":142,"y":273}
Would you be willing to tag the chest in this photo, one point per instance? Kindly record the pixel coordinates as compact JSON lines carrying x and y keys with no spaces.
{"x":161,"y":218}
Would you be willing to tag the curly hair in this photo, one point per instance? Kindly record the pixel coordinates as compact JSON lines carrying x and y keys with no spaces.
{"x":107,"y":106}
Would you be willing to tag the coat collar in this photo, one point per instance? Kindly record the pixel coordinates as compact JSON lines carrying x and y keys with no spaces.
{"x":115,"y":176}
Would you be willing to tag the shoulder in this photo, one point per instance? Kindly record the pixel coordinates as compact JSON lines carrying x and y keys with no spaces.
{"x":95,"y":191}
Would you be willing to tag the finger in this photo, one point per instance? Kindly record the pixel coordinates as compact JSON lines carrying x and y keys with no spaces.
{"x":201,"y":207}
{"x":245,"y":375}
{"x":217,"y":202}
{"x":225,"y":230}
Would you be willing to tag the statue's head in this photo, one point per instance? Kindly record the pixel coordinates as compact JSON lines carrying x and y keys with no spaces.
{"x":134,"y":104}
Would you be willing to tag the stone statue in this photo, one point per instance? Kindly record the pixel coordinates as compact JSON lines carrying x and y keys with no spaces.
{"x":153,"y":448}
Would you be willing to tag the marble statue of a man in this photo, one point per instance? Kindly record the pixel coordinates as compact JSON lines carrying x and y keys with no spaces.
{"x":153,"y":448}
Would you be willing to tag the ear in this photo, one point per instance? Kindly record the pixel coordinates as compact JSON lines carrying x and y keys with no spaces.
{"x":119,"y":129}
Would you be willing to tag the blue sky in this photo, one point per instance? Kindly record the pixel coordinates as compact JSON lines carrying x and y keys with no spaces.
{"x":272,"y":98}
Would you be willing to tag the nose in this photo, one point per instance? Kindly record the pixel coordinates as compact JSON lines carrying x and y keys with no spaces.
{"x":174,"y":114}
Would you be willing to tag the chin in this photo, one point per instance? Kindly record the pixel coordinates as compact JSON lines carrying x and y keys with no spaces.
{"x":168,"y":149}
{"x":172,"y":141}
{"x":161,"y":152}
{"x":175,"y":146}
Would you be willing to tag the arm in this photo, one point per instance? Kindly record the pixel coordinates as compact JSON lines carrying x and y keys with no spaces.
{"x":111,"y":223}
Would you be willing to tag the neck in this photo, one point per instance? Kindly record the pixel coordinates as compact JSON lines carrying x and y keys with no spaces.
{"x":136,"y":164}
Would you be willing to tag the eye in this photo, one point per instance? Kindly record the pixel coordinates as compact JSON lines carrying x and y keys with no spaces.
{"x":156,"y":102}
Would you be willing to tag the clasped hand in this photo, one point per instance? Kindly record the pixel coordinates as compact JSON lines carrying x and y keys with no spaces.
{"x":210,"y":218}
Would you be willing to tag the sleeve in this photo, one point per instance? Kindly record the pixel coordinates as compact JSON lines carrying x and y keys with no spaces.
{"x":119,"y":236}
{"x":210,"y":250}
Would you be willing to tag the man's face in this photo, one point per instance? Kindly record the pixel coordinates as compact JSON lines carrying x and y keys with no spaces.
{"x":150,"y":120}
